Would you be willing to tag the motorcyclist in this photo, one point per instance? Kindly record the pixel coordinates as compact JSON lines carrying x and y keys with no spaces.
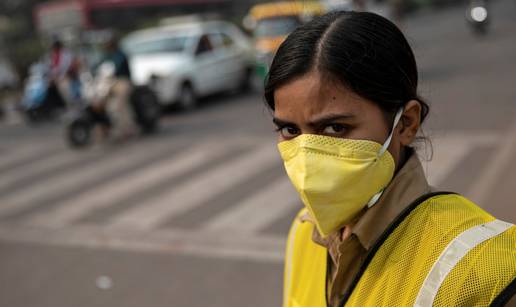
{"x":117,"y":104}
{"x":60,"y":61}
{"x":73,"y":77}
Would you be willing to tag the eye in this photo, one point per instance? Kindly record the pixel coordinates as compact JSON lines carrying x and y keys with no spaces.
{"x":288,"y":132}
{"x":335,"y":129}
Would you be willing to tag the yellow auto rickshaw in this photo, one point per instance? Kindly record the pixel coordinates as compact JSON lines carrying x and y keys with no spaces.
{"x":271,"y":23}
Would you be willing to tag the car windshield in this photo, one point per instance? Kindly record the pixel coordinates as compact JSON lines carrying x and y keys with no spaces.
{"x":163,"y":45}
{"x":276,"y":26}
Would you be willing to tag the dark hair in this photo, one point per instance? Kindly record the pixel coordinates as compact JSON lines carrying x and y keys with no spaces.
{"x":363,"y":51}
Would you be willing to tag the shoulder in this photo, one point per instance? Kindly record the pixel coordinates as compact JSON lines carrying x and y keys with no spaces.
{"x":482,"y":246}
{"x":434,"y":219}
{"x":486,"y":270}
{"x":446,"y":210}
{"x":446,"y":217}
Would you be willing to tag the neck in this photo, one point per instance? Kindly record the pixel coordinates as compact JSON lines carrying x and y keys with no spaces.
{"x":404,"y":155}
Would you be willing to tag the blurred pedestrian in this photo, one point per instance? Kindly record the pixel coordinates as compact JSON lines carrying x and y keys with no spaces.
{"x":61,"y":60}
{"x":343,"y":89}
{"x":74,"y":83}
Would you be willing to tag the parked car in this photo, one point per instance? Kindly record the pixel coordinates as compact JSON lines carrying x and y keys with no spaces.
{"x":183,"y":62}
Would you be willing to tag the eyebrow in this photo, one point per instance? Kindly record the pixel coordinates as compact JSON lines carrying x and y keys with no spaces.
{"x":317,"y":121}
{"x":321,"y":120}
{"x":280,"y":122}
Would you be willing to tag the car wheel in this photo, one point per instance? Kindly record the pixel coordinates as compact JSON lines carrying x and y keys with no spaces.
{"x":187,"y":99}
{"x":146,"y":109}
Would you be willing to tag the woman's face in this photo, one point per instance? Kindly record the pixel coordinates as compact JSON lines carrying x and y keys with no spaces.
{"x":308,"y":105}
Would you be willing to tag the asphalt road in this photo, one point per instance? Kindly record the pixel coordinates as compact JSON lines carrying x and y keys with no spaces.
{"x":197,"y":215}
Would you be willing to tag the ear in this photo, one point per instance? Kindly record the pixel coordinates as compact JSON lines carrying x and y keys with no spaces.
{"x":410,"y":122}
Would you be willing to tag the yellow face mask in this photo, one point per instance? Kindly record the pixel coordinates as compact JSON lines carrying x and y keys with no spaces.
{"x":336,"y":178}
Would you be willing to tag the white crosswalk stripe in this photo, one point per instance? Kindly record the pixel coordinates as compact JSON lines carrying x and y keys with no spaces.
{"x":450,"y":150}
{"x":22,"y":153}
{"x":255,"y":213}
{"x":70,"y":180}
{"x":45,"y":164}
{"x":115,"y":191}
{"x":196,"y":191}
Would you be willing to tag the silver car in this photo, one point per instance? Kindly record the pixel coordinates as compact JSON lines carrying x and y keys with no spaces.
{"x":185,"y":61}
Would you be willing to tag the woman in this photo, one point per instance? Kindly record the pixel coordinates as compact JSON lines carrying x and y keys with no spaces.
{"x":343,"y":89}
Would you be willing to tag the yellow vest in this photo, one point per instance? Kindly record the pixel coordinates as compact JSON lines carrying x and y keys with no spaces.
{"x":443,"y":250}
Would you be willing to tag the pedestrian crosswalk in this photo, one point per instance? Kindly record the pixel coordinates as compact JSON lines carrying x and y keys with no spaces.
{"x":196,"y":191}
{"x":116,"y":190}
{"x":70,"y":181}
{"x":143,"y":191}
{"x":21,"y":154}
{"x":451,"y":149}
{"x":244,"y":217}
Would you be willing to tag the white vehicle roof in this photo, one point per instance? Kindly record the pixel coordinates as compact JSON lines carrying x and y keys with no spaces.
{"x":183,"y":29}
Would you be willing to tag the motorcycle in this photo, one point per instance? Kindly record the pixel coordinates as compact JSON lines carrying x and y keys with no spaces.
{"x":81,"y":122}
{"x":478,"y":17}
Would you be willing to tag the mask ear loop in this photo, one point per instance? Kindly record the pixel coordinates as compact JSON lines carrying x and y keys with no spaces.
{"x":386,"y":145}
{"x":389,"y":139}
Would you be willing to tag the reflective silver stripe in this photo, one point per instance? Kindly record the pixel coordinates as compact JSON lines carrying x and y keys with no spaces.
{"x":452,"y":254}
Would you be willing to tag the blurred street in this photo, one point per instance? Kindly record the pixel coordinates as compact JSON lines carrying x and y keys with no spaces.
{"x":197,"y":215}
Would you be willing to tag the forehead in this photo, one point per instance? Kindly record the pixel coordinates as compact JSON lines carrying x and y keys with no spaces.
{"x":311,"y":95}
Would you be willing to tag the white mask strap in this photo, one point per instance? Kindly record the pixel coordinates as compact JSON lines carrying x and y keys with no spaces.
{"x":397,"y":118}
{"x":389,"y":139}
{"x":374,"y":199}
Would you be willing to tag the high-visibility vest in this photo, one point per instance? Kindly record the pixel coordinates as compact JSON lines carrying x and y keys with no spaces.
{"x":443,"y":250}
